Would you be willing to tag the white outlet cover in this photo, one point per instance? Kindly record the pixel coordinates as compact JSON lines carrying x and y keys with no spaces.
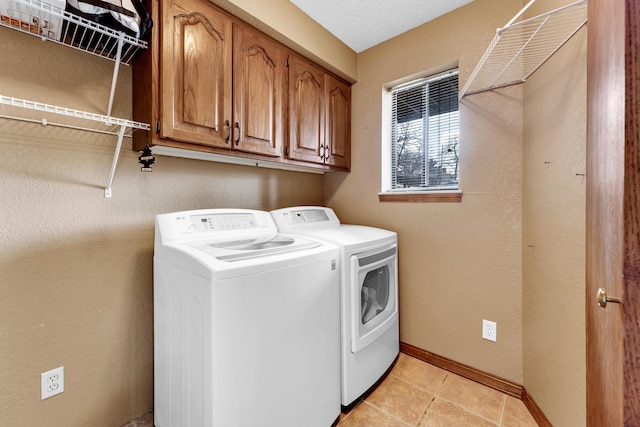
{"x":51,"y":382}
{"x":489,"y":330}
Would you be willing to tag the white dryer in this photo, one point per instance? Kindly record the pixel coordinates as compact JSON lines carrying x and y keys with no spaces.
{"x":246,"y":323}
{"x":368,"y":289}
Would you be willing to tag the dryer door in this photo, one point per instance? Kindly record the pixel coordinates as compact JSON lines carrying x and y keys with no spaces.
{"x":374,"y":295}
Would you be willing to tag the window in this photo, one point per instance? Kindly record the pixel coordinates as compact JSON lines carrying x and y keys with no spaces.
{"x":423,"y":125}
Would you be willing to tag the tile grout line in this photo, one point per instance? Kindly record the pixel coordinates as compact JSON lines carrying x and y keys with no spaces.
{"x":437,"y":391}
{"x":502,"y":411}
{"x":347,"y":414}
{"x":436,"y":394}
{"x":426,"y":410}
{"x":468,"y":409}
{"x":387,"y":413}
{"x":464,"y":408}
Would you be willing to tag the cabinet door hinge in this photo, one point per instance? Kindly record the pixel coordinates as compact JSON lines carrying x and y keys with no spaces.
{"x":158,"y":126}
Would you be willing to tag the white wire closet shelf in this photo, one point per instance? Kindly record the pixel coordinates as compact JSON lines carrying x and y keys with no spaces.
{"x":45,"y":114}
{"x":520,"y":48}
{"x":52,"y":115}
{"x":51,"y":23}
{"x":33,"y":16}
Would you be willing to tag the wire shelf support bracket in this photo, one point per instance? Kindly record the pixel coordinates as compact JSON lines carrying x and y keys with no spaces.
{"x":522,"y":46}
{"x":107,"y":190}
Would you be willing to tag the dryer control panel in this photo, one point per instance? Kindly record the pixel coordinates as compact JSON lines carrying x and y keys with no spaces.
{"x":305,"y":217}
{"x":309,"y":215}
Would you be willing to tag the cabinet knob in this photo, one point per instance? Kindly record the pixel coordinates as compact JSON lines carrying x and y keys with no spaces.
{"x":603,"y":298}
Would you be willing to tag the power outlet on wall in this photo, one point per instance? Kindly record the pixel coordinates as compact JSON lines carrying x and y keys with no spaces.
{"x":51,"y":383}
{"x":489,"y":330}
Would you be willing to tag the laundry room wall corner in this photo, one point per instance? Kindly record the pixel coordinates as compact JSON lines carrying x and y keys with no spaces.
{"x":459,"y":263}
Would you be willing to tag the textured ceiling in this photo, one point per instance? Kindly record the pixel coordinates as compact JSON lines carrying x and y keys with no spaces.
{"x":361,"y":24}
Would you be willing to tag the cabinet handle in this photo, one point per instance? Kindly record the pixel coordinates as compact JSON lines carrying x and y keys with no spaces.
{"x":321,"y":151}
{"x":227,"y":126}
{"x":237,"y":140}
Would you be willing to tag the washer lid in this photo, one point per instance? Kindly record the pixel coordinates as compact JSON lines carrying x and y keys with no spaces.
{"x":252,"y":248}
{"x":240,"y":250}
{"x":255,"y":244}
{"x":239,"y":257}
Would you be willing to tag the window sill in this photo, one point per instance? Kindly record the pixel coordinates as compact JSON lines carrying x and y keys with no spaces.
{"x":422,"y":196}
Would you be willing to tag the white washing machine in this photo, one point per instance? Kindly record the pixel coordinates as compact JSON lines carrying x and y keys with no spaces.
{"x":368,"y":288}
{"x":246,"y":323}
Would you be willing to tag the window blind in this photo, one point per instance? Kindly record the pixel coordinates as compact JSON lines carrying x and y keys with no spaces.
{"x":425,"y":133}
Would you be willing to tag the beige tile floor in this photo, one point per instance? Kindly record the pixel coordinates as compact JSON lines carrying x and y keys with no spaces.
{"x":417,"y":394}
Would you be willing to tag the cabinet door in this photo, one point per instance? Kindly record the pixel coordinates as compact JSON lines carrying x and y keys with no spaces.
{"x":259,"y":78}
{"x":338,"y":123}
{"x":306,"y":111}
{"x":196,"y":73}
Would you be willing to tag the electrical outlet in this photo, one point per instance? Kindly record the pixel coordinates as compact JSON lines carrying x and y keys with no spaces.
{"x":51,"y":383}
{"x":489,"y":330}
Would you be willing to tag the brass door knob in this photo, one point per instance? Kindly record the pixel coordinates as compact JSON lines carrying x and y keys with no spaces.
{"x":603,"y":298}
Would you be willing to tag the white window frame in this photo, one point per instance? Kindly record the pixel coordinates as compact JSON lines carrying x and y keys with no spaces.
{"x":423,"y":192}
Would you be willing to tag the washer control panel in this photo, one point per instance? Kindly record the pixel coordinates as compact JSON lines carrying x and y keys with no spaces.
{"x":215,"y":222}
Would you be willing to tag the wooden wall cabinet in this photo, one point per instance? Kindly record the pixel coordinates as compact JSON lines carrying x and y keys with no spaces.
{"x":196,"y":72}
{"x":306,"y":110}
{"x":222,"y":85}
{"x":259,"y":83}
{"x":210,"y":82}
{"x":319,"y":115}
{"x":337,"y":123}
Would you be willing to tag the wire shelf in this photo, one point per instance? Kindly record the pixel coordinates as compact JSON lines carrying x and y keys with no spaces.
{"x":520,"y":48}
{"x":45,"y":114}
{"x":52,"y":23}
{"x":34,"y":16}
